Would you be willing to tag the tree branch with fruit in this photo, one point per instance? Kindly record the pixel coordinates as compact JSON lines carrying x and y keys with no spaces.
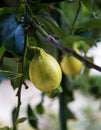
{"x":50,"y":39}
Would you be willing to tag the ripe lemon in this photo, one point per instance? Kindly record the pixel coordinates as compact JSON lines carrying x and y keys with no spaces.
{"x":44,"y":71}
{"x":70,"y":65}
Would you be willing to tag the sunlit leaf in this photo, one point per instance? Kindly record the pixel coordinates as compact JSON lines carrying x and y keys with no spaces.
{"x":88,"y":4}
{"x":5,"y":128}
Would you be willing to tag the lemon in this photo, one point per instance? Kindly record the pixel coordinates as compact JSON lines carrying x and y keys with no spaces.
{"x":70,"y":65}
{"x":44,"y":71}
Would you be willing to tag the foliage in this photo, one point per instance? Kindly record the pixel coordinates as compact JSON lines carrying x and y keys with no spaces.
{"x":26,"y":23}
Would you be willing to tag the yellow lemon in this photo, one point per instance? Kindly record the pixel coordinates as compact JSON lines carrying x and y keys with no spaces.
{"x":70,"y":65}
{"x":44,"y":71}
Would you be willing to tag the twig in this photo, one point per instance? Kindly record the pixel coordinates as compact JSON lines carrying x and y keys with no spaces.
{"x":52,"y":40}
{"x":26,"y":86}
{"x":22,"y":71}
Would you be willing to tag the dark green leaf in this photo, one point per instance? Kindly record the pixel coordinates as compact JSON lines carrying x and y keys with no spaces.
{"x":5,"y":10}
{"x":15,"y":82}
{"x":40,"y":108}
{"x":70,"y":114}
{"x":37,"y":7}
{"x":13,"y":115}
{"x":31,"y":117}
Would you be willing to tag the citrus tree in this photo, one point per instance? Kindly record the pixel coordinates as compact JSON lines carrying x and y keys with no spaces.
{"x":46,"y":42}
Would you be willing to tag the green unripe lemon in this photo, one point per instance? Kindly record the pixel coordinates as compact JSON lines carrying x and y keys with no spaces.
{"x":44,"y":71}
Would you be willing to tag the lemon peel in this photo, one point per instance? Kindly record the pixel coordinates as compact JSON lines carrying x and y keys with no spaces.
{"x":44,"y":71}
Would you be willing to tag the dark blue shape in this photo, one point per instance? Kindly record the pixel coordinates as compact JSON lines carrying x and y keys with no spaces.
{"x":11,"y":34}
{"x":19,"y":39}
{"x":7,"y":27}
{"x":86,"y":34}
{"x":2,"y":77}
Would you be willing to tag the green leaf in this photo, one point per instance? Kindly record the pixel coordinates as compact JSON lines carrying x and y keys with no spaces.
{"x":70,"y":114}
{"x":96,"y":23}
{"x":15,"y":82}
{"x":10,"y":64}
{"x":32,"y":117}
{"x":2,"y":51}
{"x":88,"y":4}
{"x":5,"y":128}
{"x":13,"y":115}
{"x":5,"y":10}
{"x":40,"y":108}
{"x":53,"y":26}
{"x":11,"y":68}
{"x":21,"y":120}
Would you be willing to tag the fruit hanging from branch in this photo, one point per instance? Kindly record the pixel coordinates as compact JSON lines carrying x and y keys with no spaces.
{"x":70,"y":65}
{"x":44,"y":71}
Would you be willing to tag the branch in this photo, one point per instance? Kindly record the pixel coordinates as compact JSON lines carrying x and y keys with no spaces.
{"x":86,"y":62}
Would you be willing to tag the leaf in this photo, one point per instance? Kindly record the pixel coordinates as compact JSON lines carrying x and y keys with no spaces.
{"x":36,"y":7}
{"x":2,"y":51}
{"x":10,"y":69}
{"x":15,"y":82}
{"x":5,"y":128}
{"x":12,"y":64}
{"x":21,"y":120}
{"x":31,"y":117}
{"x":53,"y":26}
{"x":88,"y":4}
{"x":13,"y":115}
{"x":70,"y":114}
{"x":96,"y":23}
{"x":40,"y":108}
{"x":5,"y":10}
